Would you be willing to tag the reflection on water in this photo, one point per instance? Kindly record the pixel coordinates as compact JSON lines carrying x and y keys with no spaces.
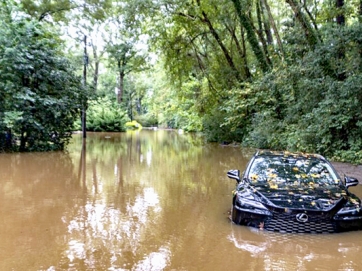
{"x":117,"y":215}
{"x":102,"y":228}
{"x":150,"y":200}
{"x":299,"y":251}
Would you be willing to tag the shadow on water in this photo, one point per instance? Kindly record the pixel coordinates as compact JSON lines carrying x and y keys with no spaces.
{"x":150,"y":200}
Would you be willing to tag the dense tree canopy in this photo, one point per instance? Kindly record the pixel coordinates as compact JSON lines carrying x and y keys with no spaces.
{"x":39,"y":92}
{"x":266,"y":73}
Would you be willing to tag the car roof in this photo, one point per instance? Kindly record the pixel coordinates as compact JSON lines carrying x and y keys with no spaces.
{"x":287,"y":154}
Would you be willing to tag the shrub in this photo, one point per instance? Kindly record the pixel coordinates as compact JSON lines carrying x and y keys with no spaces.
{"x":147,"y":120}
{"x":215,"y":129}
{"x":104,"y":115}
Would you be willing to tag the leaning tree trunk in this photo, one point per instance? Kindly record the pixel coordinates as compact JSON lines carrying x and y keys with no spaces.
{"x":309,"y":32}
{"x":264,"y":24}
{"x":245,"y":72}
{"x":251,"y":37}
{"x":221,"y":44}
{"x":260,"y":31}
{"x":272,"y":22}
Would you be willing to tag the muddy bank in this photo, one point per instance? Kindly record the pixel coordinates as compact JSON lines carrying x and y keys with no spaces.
{"x":349,"y":170}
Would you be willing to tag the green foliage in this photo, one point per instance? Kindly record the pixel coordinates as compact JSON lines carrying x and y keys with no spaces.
{"x":308,"y":108}
{"x":104,"y":114}
{"x":147,"y":120}
{"x":246,"y":22}
{"x":41,"y":95}
{"x":354,"y":157}
{"x":236,"y":70}
{"x":216,"y":131}
{"x":173,"y":108}
{"x":57,"y":10}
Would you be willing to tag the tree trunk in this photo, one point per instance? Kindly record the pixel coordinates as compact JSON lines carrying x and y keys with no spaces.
{"x":340,"y":16}
{"x":85,"y":103}
{"x":23,"y":140}
{"x":261,"y":30}
{"x":121,"y":82}
{"x":272,"y":22}
{"x":252,"y":39}
{"x":360,"y":43}
{"x":96,"y":68}
{"x":341,"y":52}
{"x":245,"y":64}
{"x":221,"y":44}
{"x":241,"y":51}
{"x":265,"y":22}
{"x":8,"y":140}
{"x":309,"y":32}
{"x":312,"y":19}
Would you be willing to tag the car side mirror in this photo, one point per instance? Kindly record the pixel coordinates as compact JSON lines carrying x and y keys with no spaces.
{"x":234,"y":174}
{"x":350,"y":181}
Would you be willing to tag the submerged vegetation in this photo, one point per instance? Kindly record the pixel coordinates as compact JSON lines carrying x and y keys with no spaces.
{"x":282,"y":75}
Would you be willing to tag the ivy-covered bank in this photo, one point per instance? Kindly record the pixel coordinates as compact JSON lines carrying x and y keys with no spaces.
{"x":311,"y":105}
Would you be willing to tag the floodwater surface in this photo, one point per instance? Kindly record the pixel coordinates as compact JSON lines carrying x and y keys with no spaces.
{"x":149,"y":200}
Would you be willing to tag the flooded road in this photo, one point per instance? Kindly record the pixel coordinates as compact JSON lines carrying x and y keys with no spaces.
{"x":153,"y":200}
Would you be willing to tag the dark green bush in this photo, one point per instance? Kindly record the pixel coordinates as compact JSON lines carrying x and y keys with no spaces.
{"x":215,"y":129}
{"x":39,"y":91}
{"x":105,"y":115}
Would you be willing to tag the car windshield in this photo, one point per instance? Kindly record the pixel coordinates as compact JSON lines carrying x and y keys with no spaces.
{"x":292,"y":170}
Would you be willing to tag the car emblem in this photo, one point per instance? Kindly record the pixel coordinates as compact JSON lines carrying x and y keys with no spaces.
{"x":302,"y":217}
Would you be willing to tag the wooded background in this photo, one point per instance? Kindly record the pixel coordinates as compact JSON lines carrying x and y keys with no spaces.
{"x":265,"y":73}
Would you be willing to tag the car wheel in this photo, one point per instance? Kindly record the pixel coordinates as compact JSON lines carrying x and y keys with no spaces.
{"x":235,"y":216}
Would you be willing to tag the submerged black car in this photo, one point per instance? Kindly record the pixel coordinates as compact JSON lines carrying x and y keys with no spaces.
{"x":294,"y":193}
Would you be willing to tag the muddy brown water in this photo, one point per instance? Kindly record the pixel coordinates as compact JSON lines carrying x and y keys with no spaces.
{"x":149,"y":200}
